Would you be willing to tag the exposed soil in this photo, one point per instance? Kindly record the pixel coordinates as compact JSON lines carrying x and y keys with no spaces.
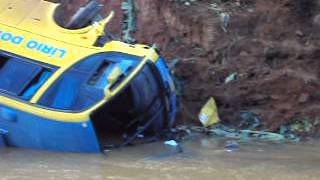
{"x":273,"y":46}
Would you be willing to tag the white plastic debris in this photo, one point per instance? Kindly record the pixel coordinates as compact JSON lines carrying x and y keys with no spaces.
{"x":171,"y":143}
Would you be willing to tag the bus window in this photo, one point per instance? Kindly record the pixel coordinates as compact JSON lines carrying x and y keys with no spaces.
{"x":21,"y":78}
{"x":35,"y":84}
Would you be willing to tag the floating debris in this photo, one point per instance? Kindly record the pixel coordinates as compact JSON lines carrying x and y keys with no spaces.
{"x":106,"y":152}
{"x":171,"y":143}
{"x":246,"y":135}
{"x":284,"y":130}
{"x":299,"y":128}
{"x":223,"y":131}
{"x":231,"y":146}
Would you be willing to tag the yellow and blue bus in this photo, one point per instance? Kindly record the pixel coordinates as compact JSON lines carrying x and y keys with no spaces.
{"x":61,"y":92}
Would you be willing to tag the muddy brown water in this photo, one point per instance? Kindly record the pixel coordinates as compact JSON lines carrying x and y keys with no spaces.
{"x":202,"y":158}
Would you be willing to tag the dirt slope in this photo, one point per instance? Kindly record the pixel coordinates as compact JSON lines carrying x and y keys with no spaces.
{"x":272,"y":46}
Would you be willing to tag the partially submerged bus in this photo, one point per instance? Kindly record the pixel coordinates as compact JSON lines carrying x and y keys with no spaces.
{"x":60,"y":91}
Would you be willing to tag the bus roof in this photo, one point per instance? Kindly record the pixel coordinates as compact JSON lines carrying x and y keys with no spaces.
{"x":28,"y":28}
{"x":37,"y":16}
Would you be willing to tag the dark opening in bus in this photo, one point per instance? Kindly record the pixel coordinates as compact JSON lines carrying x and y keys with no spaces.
{"x":137,"y":112}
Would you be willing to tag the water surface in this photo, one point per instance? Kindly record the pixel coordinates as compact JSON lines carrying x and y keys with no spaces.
{"x":202,"y":159}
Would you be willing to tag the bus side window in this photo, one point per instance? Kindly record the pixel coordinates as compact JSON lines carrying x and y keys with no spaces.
{"x":3,"y":60}
{"x":35,"y":84}
{"x":21,"y":78}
